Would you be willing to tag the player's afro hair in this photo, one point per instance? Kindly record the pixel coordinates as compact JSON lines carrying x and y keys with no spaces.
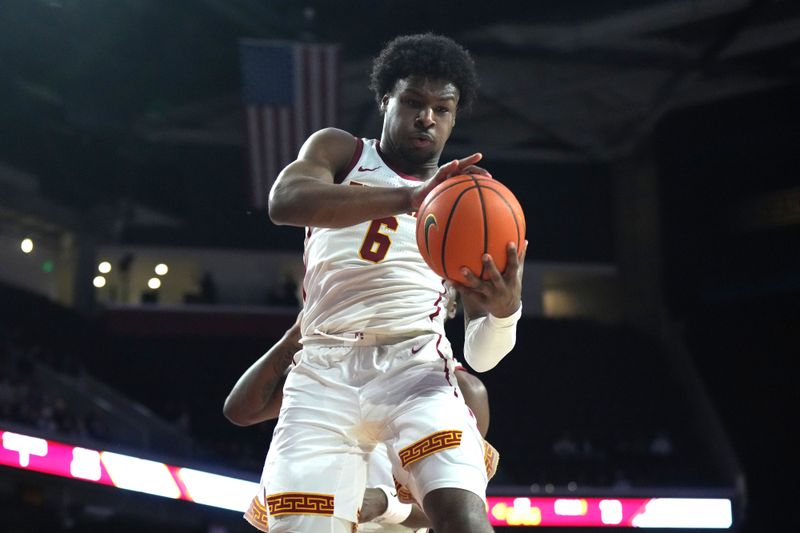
{"x":428,"y":55}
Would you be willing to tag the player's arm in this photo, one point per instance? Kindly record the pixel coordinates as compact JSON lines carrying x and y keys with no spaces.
{"x":258,"y":393}
{"x":376,"y":503}
{"x":492,"y":308}
{"x":476,"y":397}
{"x":304,"y":193}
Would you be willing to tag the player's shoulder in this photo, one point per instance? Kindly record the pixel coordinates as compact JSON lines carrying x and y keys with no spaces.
{"x":331,"y":144}
{"x":334,"y":139}
{"x":332,"y":134}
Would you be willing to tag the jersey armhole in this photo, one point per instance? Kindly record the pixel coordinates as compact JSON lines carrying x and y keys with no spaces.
{"x":342,"y":174}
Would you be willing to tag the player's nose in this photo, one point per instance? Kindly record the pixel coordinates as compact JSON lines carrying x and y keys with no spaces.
{"x":425,"y":118}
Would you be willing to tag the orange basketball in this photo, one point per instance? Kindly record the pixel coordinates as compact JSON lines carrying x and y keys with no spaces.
{"x":465,"y":217}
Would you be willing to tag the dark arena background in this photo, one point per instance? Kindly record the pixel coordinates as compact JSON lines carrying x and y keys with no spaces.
{"x":653,"y":144}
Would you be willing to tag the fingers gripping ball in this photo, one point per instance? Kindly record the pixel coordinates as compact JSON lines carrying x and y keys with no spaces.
{"x":465,"y":217}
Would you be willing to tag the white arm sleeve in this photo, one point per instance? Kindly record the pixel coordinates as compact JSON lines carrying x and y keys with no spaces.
{"x":488,"y":339}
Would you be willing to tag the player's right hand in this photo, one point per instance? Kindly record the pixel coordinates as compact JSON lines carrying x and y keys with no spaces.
{"x":501,"y":294}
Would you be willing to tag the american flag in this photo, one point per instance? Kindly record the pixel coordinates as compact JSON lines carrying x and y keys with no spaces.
{"x":290,"y":90}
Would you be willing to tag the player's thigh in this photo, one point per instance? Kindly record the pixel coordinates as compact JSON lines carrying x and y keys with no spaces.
{"x":314,"y":467}
{"x":436,"y":445}
{"x":313,"y":418}
{"x":309,"y":524}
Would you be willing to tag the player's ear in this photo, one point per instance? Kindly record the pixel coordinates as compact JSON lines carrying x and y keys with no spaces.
{"x":384,"y":103}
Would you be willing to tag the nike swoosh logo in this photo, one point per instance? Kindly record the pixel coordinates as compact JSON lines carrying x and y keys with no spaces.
{"x":415,"y":349}
{"x":430,"y":221}
{"x":365,"y":169}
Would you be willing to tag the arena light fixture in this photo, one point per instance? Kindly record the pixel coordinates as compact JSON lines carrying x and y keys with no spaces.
{"x":26,"y":245}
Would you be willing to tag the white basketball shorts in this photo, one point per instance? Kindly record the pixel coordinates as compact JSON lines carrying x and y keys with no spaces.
{"x":340,"y":401}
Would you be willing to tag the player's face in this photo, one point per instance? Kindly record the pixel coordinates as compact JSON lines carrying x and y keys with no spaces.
{"x":419,"y":115}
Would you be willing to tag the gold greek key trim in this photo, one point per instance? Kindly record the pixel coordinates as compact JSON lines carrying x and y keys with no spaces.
{"x":300,"y":503}
{"x":431,"y":444}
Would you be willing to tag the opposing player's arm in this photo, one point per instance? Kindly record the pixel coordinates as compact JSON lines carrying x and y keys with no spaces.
{"x":376,"y":507}
{"x":476,"y":397}
{"x":491,"y":310}
{"x":304,"y":193}
{"x":258,"y":393}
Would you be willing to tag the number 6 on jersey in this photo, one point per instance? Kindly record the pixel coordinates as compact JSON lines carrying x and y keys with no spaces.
{"x":376,"y":244}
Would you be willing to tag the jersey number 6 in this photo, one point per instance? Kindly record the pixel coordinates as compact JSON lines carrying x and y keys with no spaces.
{"x":376,"y":244}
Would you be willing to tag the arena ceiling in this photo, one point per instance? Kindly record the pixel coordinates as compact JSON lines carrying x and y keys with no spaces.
{"x":101,"y":100}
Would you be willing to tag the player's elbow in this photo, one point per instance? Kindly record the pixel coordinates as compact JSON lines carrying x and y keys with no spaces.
{"x":284,"y":204}
{"x":280,"y":208}
{"x":481,"y":364}
{"x":235,"y":414}
{"x":483,"y":355}
{"x":488,"y":339}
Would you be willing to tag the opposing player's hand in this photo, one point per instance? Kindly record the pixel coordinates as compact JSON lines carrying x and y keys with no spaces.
{"x":373,"y":505}
{"x":448,"y":170}
{"x":501,"y":294}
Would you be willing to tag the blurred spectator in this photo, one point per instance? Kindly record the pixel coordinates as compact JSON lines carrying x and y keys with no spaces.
{"x":96,"y":427}
{"x":286,"y":293}
{"x":206,"y":291}
{"x":178,"y":412}
{"x":565,"y":446}
{"x":661,"y":444}
{"x":125,"y":276}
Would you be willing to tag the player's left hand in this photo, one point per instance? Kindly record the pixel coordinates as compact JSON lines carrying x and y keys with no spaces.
{"x":456,"y":167}
{"x":501,"y":294}
{"x":475,"y":169}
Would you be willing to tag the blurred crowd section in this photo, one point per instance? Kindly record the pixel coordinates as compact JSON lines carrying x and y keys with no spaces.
{"x":47,"y":390}
{"x":49,"y":394}
{"x":603,"y":406}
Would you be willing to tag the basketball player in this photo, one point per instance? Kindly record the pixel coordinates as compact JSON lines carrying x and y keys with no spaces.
{"x":375,"y":365}
{"x":256,"y":397}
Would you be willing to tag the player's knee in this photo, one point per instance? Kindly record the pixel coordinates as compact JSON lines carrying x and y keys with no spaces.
{"x":456,"y":510}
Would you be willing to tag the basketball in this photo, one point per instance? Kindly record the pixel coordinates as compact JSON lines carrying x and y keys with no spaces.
{"x":465,"y":217}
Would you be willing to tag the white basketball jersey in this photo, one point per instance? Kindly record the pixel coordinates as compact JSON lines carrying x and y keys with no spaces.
{"x":370,"y":278}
